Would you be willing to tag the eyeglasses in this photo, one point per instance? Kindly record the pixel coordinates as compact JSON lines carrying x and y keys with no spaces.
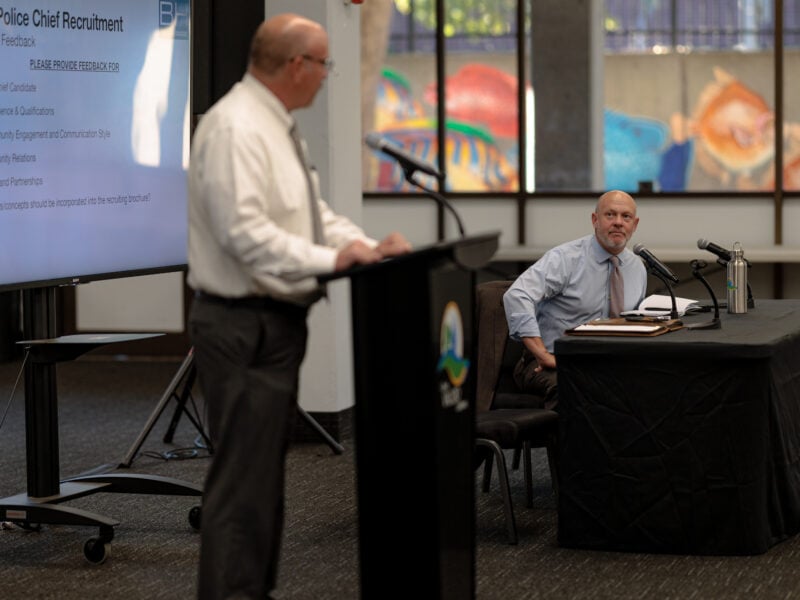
{"x":325,"y":62}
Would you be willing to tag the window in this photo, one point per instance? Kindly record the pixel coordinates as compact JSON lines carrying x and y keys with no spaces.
{"x":687,"y":99}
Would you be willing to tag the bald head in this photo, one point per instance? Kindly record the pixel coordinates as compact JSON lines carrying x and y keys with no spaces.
{"x":289,"y":55}
{"x":614,"y":196}
{"x":280,"y":38}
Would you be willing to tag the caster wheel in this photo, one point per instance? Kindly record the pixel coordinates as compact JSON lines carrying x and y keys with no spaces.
{"x":194,"y":517}
{"x":96,"y":551}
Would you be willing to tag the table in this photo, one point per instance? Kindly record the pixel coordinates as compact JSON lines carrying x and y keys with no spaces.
{"x":687,"y":442}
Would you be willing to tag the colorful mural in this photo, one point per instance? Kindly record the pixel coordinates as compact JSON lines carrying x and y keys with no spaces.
{"x":735,"y":130}
{"x":482,"y":96}
{"x":728,"y":137}
{"x":633,"y":147}
{"x":473,"y":159}
{"x":394,"y":101}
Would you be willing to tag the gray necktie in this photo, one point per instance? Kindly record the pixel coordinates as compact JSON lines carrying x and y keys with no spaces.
{"x":616,"y":289}
{"x":316,"y":219}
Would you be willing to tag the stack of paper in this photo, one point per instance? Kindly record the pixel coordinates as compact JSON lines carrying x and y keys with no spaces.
{"x":589,"y":328}
{"x":655,"y":305}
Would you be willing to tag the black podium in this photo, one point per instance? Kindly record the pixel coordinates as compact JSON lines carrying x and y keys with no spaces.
{"x":414,"y":426}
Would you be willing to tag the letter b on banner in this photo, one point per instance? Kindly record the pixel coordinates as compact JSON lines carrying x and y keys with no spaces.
{"x":177,"y":12}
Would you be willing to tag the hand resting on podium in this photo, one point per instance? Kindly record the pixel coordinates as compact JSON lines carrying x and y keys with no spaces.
{"x":359,"y":253}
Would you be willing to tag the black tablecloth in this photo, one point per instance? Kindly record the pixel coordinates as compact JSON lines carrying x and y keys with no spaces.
{"x":687,"y":442}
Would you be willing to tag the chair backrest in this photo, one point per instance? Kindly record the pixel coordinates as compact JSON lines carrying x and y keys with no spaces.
{"x":496,"y":352}
{"x":492,"y":329}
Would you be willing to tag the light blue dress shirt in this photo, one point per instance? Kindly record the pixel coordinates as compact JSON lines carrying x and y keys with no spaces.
{"x":569,"y":286}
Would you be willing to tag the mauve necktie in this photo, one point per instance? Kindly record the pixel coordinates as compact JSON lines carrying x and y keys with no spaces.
{"x":316,"y":220}
{"x":616,"y":289}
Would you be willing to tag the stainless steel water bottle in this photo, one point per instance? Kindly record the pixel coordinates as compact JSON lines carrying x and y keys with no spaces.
{"x":737,"y":281}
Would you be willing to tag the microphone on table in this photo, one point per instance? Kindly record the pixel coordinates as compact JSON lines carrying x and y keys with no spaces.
{"x":660,"y":270}
{"x":409,"y":162}
{"x":721,"y":252}
{"x":714,"y":323}
{"x":655,"y":265}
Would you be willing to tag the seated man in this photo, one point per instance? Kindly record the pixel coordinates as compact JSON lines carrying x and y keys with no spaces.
{"x":593,"y":277}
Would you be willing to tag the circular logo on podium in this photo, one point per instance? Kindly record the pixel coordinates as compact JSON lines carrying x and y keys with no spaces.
{"x":451,"y":346}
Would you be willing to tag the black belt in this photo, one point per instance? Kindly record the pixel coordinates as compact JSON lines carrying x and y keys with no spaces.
{"x":255,"y":303}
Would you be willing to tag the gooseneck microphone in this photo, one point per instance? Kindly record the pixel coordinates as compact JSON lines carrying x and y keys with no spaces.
{"x":721,"y":252}
{"x":714,"y":323}
{"x":410,"y":165}
{"x":660,"y":270}
{"x":409,"y":162}
{"x":654,"y":264}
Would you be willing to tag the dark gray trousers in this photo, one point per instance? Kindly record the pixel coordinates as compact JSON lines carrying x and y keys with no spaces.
{"x":544,"y":383}
{"x":248,"y":361}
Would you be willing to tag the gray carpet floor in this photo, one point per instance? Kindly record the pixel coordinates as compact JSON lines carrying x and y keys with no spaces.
{"x":103,"y":405}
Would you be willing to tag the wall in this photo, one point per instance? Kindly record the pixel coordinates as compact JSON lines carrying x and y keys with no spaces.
{"x":329,"y":126}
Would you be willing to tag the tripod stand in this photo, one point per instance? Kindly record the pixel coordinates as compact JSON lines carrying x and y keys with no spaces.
{"x":180,"y":388}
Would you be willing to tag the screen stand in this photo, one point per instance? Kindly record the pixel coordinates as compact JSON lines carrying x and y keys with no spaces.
{"x":185,"y":376}
{"x":40,"y":504}
{"x":183,"y":379}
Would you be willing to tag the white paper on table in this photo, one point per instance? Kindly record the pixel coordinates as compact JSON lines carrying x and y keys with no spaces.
{"x":657,"y":305}
{"x":619,"y":328}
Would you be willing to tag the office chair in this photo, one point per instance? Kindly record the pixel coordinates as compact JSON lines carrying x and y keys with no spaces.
{"x":506,"y":418}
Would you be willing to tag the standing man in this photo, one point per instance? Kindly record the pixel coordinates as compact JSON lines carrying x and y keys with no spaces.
{"x":593,"y":277}
{"x":258,"y":236}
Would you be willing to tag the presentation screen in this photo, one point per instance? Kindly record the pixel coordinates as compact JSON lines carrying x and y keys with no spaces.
{"x":94,"y":139}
